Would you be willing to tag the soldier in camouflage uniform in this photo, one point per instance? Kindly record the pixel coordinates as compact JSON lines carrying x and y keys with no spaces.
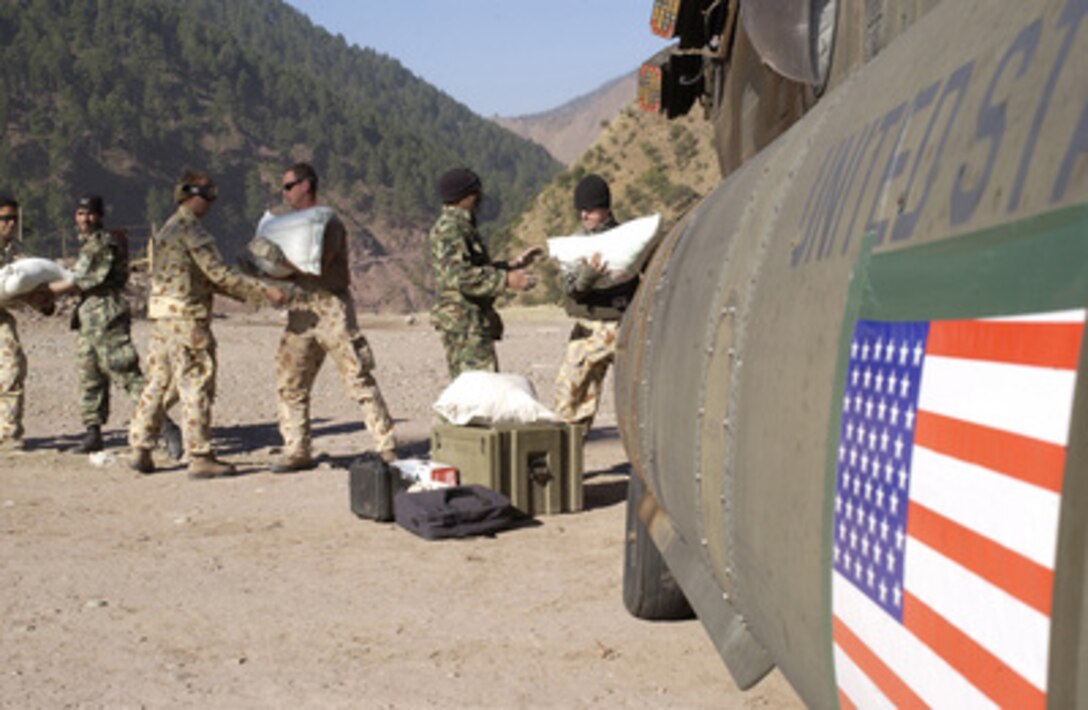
{"x":105,"y":350}
{"x":12,"y":358}
{"x":320,"y":322}
{"x":467,"y":282}
{"x":186,"y":272}
{"x":592,"y":345}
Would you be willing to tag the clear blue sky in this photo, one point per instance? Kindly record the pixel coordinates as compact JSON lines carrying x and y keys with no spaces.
{"x":505,"y":57}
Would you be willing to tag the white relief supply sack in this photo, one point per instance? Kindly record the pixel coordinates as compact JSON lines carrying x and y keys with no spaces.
{"x":478,"y":397}
{"x":25,"y":275}
{"x":622,"y":248}
{"x":296,"y":238}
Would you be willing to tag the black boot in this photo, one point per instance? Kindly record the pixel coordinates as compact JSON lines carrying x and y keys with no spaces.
{"x":171,"y":436}
{"x":91,"y":441}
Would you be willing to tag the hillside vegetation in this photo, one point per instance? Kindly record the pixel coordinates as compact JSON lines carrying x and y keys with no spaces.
{"x":651,"y":164}
{"x":118,"y":96}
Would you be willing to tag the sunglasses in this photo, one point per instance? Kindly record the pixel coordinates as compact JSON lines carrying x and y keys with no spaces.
{"x":291,"y":185}
{"x":208,"y":192}
{"x":9,"y":218}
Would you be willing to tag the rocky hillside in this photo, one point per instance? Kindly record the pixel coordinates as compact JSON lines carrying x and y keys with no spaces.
{"x":566,"y":132}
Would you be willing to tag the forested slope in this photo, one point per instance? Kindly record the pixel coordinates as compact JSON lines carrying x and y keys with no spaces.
{"x":118,"y":96}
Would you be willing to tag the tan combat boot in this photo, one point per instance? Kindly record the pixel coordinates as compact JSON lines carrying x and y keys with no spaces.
{"x":207,"y":466}
{"x":141,"y":461}
{"x":290,"y":463}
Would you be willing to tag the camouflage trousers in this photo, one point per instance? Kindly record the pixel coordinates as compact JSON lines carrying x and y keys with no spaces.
{"x":469,"y":351}
{"x":321,"y":324}
{"x":12,"y":379}
{"x":181,"y":357}
{"x":591,"y":349}
{"x":105,"y":354}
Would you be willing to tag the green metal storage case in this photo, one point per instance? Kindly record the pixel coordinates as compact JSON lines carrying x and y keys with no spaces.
{"x":539,"y":466}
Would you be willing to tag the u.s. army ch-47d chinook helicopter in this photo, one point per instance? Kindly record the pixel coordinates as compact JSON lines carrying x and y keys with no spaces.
{"x":852,"y":385}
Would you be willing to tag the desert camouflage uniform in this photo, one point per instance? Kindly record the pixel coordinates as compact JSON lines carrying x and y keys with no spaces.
{"x":591,"y":349}
{"x":467,"y":283}
{"x":592,"y":345}
{"x":105,"y":349}
{"x":186,"y":272}
{"x":12,"y":366}
{"x":320,"y":322}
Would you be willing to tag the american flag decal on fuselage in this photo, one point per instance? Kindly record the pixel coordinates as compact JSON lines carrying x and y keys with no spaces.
{"x":948,"y":486}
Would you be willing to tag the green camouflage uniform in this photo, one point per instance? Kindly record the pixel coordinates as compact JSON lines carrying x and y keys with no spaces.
{"x":467,"y":283}
{"x":186,"y":272}
{"x":105,"y":349}
{"x":592,"y":345}
{"x":320,"y":322}
{"x":12,"y":366}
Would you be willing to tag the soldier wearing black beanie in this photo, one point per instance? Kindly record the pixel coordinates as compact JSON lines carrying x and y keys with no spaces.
{"x":598,"y":309}
{"x":591,"y":193}
{"x":467,"y":280}
{"x":457,"y":184}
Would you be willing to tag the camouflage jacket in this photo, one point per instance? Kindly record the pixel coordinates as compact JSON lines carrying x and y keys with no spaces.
{"x":467,"y":282}
{"x":101,"y":273}
{"x":583,"y":300}
{"x":187,"y":271}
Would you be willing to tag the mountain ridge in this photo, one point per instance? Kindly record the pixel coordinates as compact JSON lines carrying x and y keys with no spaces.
{"x":569,"y":129}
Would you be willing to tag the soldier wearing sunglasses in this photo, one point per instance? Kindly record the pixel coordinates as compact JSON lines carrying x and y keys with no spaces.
{"x":321,"y":322}
{"x":186,"y":272}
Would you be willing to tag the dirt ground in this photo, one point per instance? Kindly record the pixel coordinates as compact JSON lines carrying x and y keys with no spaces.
{"x":264,"y":590}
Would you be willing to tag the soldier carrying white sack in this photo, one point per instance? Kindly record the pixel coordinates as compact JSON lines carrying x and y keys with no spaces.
{"x":12,"y":357}
{"x":321,"y":321}
{"x":592,"y":345}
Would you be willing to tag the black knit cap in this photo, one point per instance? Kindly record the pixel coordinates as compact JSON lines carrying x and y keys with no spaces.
{"x":91,"y":203}
{"x":592,"y":192}
{"x":457,"y":184}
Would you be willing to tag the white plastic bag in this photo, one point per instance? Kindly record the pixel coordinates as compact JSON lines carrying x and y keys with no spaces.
{"x":478,"y":397}
{"x":25,"y":275}
{"x":296,"y":238}
{"x":622,"y":248}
